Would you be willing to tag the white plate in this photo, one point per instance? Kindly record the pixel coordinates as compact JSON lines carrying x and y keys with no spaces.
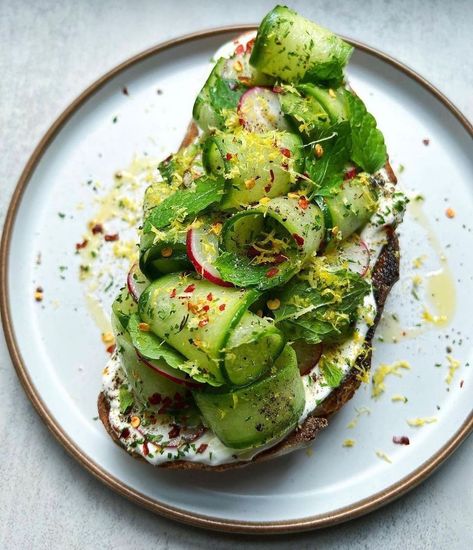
{"x":56,"y":345}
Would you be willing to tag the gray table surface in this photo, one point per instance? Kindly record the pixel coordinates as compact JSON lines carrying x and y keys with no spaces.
{"x":49,"y":52}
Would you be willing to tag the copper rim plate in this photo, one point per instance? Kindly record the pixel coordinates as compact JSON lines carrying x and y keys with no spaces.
{"x":241,"y":501}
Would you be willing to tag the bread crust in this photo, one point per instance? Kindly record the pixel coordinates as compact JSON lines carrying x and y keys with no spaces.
{"x":385,"y":273}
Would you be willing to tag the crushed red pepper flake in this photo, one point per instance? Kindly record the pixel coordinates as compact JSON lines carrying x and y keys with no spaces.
{"x":97,"y":228}
{"x":210,"y":297}
{"x":125,"y":433}
{"x":285,"y":152}
{"x":350,"y":174}
{"x":426,"y":141}
{"x":401,"y":440}
{"x":81,"y":245}
{"x":173,"y":293}
{"x":155,"y":399}
{"x":145,"y":449}
{"x":111,"y":238}
{"x":272,"y":272}
{"x":229,"y":156}
{"x":249,"y":45}
{"x":222,"y":307}
{"x":174,"y":431}
{"x":201,"y":448}
{"x":203,"y":323}
{"x":111,"y":348}
{"x":271,"y":175}
{"x":239,"y":49}
{"x":461,"y":383}
{"x":278,"y":89}
{"x":303,"y":203}
{"x":299,"y":240}
{"x":450,"y":213}
{"x":190,"y":288}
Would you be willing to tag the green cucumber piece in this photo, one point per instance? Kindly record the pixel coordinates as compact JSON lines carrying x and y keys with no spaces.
{"x":123,"y":307}
{"x":143,"y":381}
{"x":292,"y":48}
{"x":252,"y":348}
{"x":352,"y":205}
{"x":306,"y":113}
{"x":301,"y":231}
{"x":260,"y":413}
{"x":256,"y":165}
{"x":173,"y":168}
{"x":195,"y":317}
{"x":204,"y":192}
{"x":152,"y":261}
{"x":333,"y":101}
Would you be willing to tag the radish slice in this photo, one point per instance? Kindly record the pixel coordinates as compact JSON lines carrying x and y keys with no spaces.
{"x":202,"y":249}
{"x":356,"y":253}
{"x":136,"y":282}
{"x":259,"y":110}
{"x":169,"y":372}
{"x":308,"y":355}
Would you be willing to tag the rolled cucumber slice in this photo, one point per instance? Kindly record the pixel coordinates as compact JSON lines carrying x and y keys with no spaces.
{"x":266,"y":245}
{"x":252,"y":348}
{"x":260,"y":413}
{"x":162,"y":253}
{"x":196,"y":318}
{"x":292,"y":48}
{"x":333,"y":101}
{"x":256,"y":165}
{"x":352,"y":205}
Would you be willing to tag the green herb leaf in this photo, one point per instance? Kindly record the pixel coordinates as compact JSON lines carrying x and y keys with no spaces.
{"x":207,"y":190}
{"x":368,"y":147}
{"x":327,"y":171}
{"x":325,"y":312}
{"x":126,"y":398}
{"x":333,"y":374}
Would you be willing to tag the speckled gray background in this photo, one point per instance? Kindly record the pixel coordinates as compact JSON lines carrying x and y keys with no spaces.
{"x":49,"y":52}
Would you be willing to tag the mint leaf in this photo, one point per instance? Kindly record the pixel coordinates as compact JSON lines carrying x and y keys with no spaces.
{"x":241,"y":272}
{"x":368,"y":147}
{"x":325,"y":312}
{"x":126,"y":398}
{"x":327,"y":171}
{"x":333,"y":374}
{"x":225,"y":93}
{"x":184,"y":203}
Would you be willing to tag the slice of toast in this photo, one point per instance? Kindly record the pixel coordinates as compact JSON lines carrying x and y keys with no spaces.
{"x":384,"y":274}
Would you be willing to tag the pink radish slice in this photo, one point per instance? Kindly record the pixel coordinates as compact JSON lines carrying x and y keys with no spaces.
{"x":136,"y":282}
{"x":202,"y":249}
{"x":356,"y":253}
{"x":308,"y":355}
{"x":259,"y":110}
{"x":169,"y":373}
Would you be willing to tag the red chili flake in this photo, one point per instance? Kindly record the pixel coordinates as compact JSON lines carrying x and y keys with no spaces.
{"x":350,"y":174}
{"x":205,"y":308}
{"x":111,"y":238}
{"x":111,"y":348}
{"x":303,"y":203}
{"x":239,"y":49}
{"x":244,"y":80}
{"x":426,"y":141}
{"x":267,"y":189}
{"x":280,"y":258}
{"x":83,"y":244}
{"x":229,"y":156}
{"x":210,"y":297}
{"x":401,"y":440}
{"x":252,"y":252}
{"x":203,"y":322}
{"x":97,"y":228}
{"x":249,"y":45}
{"x":285,"y":152}
{"x":125,"y":90}
{"x":461,"y":383}
{"x":272,"y":272}
{"x":299,"y":240}
{"x":278,"y":89}
{"x":173,"y":293}
{"x":201,"y":448}
{"x":222,"y":307}
{"x":155,"y":399}
{"x":145,"y":449}
{"x":125,"y":433}
{"x":271,"y":175}
{"x":174,"y":431}
{"x":190,"y":288}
